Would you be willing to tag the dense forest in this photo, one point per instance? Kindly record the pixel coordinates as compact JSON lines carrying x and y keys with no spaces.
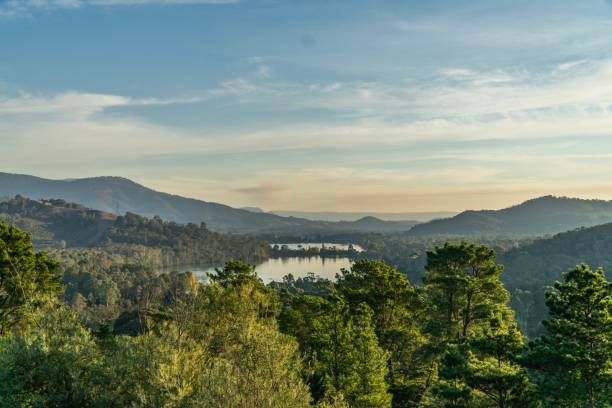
{"x":102,"y":253}
{"x":370,"y":339}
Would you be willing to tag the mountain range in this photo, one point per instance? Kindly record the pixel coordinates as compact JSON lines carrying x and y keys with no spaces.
{"x":354,"y":216}
{"x":539,"y":216}
{"x":120,"y":195}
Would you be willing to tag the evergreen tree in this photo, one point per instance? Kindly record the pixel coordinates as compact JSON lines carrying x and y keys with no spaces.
{"x":470,"y":317}
{"x":397,"y":313}
{"x":493,"y":371}
{"x":234,"y":273}
{"x":452,"y":390}
{"x":573,"y":360}
{"x":370,"y":363}
{"x":341,"y":344}
{"x":464,"y":290}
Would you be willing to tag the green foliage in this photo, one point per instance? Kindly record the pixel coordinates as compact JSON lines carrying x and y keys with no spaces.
{"x":464,"y":290}
{"x":234,"y":273}
{"x":371,"y":339}
{"x":348,"y":359}
{"x":342,"y":347}
{"x":470,"y":315}
{"x":368,"y":388}
{"x":195,"y":357}
{"x":493,"y":371}
{"x":25,"y":276}
{"x":573,"y":360}
{"x":452,"y":390}
{"x":398,"y":310}
{"x":52,"y":365}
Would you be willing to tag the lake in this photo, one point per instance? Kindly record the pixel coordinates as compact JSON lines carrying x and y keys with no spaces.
{"x":275,"y":268}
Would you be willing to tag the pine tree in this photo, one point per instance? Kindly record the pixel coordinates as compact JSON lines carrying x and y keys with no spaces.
{"x":463,"y":286}
{"x":370,"y":363}
{"x":573,"y":360}
{"x":349,"y":361}
{"x":493,"y":371}
{"x":471,"y":319}
{"x":397,"y":313}
{"x":452,"y":389}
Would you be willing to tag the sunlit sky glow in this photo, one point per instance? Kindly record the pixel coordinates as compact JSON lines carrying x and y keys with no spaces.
{"x":313,"y":105}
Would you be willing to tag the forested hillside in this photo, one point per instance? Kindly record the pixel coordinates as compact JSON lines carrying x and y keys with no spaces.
{"x":544,"y":260}
{"x":540,"y":216}
{"x":58,"y":224}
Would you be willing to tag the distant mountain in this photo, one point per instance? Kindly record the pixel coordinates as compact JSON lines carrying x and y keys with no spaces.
{"x":119,"y":195}
{"x":540,"y":216}
{"x":354,"y":216}
{"x":373,"y":224}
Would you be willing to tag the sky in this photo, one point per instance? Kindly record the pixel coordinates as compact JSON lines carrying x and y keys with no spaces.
{"x":314,"y":105}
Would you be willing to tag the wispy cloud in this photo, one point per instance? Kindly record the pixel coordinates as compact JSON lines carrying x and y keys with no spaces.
{"x":471,"y":106}
{"x":18,"y":8}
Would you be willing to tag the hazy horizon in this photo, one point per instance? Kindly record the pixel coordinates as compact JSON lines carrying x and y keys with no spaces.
{"x":372,"y":106}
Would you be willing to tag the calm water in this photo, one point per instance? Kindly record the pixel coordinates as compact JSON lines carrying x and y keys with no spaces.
{"x":274,"y":269}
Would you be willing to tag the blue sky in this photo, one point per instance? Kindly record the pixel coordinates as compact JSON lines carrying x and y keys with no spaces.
{"x":313,"y":105}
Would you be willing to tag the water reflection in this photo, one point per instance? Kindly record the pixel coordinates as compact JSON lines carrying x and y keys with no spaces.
{"x":275,"y":268}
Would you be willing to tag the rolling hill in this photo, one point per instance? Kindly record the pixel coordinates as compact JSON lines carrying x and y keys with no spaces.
{"x":544,"y":260}
{"x":119,"y":195}
{"x":540,"y":216}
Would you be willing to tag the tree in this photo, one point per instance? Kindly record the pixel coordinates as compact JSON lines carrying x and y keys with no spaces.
{"x":397,"y":313}
{"x":370,"y":363}
{"x":349,"y":363}
{"x":493,"y":371}
{"x":464,"y":290}
{"x":573,"y":360}
{"x":471,"y":320}
{"x":52,"y":364}
{"x":25,"y":276}
{"x":234,"y":273}
{"x":228,"y":334}
{"x":452,"y":390}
